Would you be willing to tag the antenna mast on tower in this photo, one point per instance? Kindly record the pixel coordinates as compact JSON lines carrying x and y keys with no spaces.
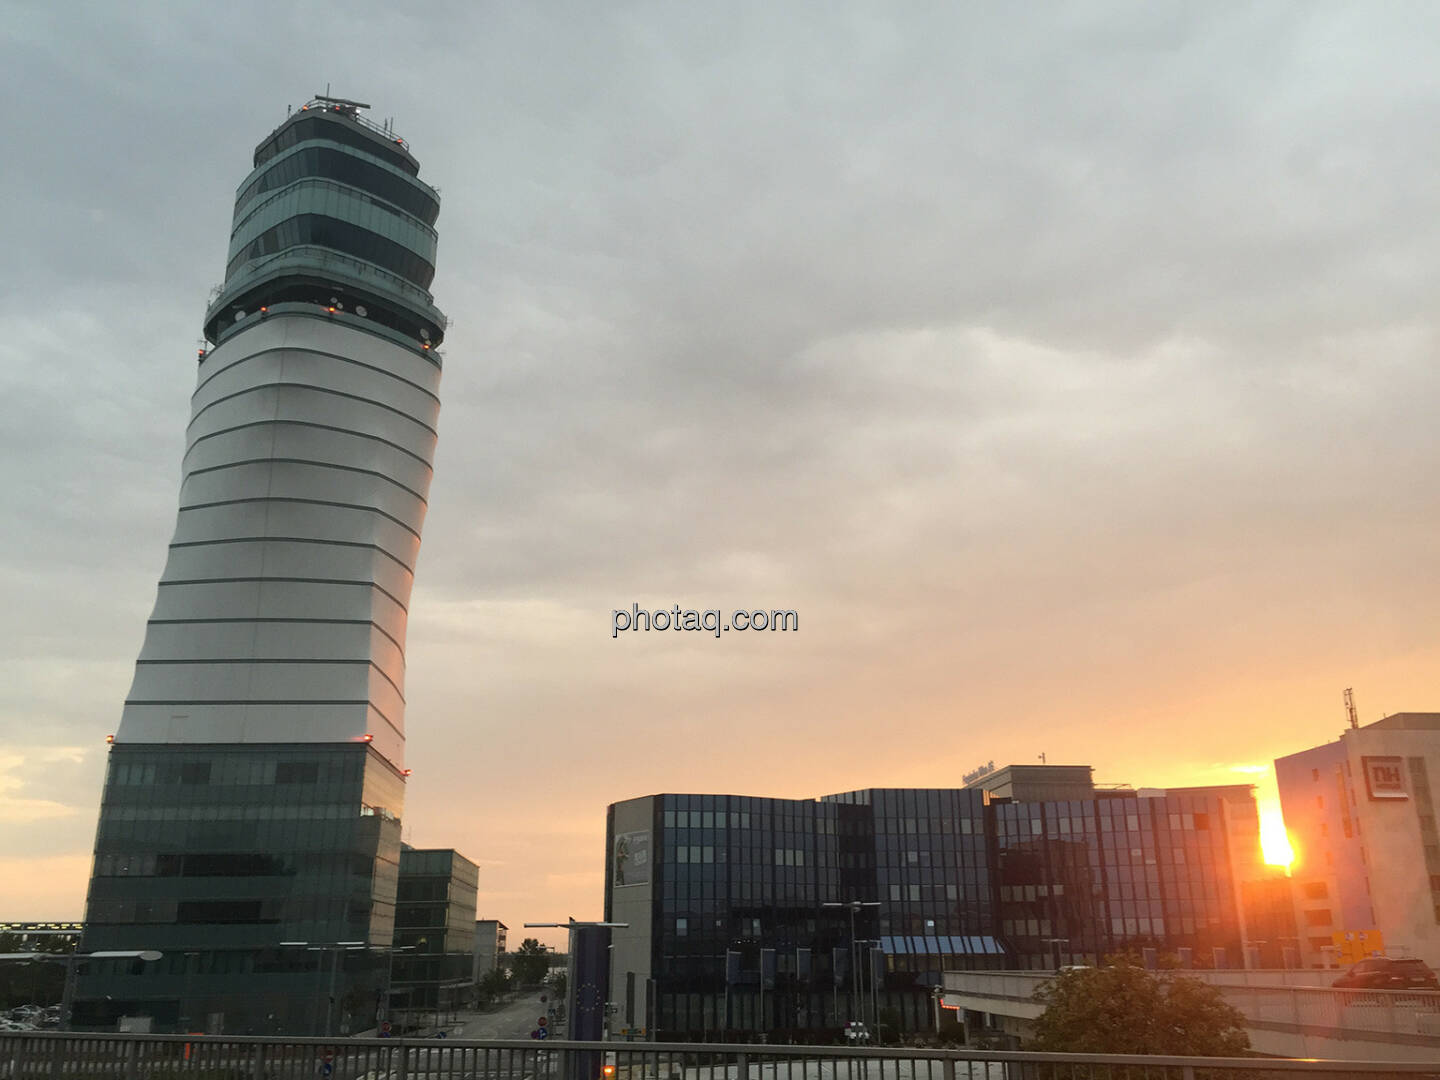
{"x":1350,"y":707}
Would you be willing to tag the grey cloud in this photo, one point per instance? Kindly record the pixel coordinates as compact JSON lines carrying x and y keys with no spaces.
{"x":1029,"y":353}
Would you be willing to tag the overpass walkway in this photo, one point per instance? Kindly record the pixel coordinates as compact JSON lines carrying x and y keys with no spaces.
{"x":1287,"y":1014}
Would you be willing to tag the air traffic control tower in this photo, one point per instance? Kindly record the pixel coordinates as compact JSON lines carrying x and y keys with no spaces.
{"x":250,"y":823}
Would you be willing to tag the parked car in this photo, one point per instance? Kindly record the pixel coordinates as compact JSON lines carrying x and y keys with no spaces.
{"x":1389,"y":973}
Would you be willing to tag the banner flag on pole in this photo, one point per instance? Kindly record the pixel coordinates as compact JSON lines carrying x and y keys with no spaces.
{"x":732,"y":966}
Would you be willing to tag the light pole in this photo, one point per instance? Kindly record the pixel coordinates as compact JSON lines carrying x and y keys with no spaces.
{"x":871,"y":944}
{"x":190,"y":960}
{"x":853,"y":906}
{"x":335,"y":947}
{"x":390,"y":980}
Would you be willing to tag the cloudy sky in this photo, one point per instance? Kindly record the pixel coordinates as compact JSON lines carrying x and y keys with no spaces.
{"x":1072,"y":373}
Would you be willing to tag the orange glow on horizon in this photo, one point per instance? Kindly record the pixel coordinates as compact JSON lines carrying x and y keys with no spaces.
{"x":1274,"y":840}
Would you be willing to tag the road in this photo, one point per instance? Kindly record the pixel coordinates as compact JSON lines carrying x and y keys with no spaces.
{"x":513,"y":1021}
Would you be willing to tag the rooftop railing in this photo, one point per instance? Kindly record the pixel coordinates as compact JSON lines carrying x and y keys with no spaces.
{"x":351,"y":112}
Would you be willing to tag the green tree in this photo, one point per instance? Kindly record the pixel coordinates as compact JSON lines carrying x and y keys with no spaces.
{"x":557,"y":982}
{"x":493,"y":985}
{"x":529,"y":963}
{"x":1124,"y":1008}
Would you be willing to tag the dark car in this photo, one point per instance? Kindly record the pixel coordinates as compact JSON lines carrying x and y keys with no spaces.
{"x":1389,"y":973}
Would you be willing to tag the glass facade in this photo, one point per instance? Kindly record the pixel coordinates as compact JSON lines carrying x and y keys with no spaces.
{"x":329,"y":232}
{"x":349,"y":167}
{"x":318,"y":125}
{"x":434,"y":934}
{"x":216,"y":854}
{"x":1079,"y":880}
{"x":336,"y":206}
{"x":743,"y":942}
{"x":747,"y":942}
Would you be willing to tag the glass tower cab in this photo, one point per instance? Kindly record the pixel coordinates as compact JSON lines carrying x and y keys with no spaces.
{"x":334,"y":217}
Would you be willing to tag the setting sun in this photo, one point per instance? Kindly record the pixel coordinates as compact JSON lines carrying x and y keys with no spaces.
{"x":1274,"y":840}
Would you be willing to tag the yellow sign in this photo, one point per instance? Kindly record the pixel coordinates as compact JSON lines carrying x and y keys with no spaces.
{"x":1352,"y":946}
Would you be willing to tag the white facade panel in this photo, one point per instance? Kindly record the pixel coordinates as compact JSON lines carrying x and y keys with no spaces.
{"x":304,"y":404}
{"x":295,"y":367}
{"x":298,"y":521}
{"x":296,"y":442}
{"x":258,"y":640}
{"x":313,"y":483}
{"x":280,"y":616}
{"x":297,"y":561}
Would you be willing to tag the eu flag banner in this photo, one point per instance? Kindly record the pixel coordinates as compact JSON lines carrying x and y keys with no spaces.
{"x":590,"y":956}
{"x":732,"y":966}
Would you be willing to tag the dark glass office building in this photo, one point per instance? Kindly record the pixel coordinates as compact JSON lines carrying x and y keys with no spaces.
{"x":729,"y":933}
{"x":740,"y":908}
{"x":434,"y":935}
{"x":250,"y":823}
{"x":217,"y":857}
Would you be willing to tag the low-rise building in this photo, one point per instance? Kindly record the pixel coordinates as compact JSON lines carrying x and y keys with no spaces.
{"x":1361,"y":816}
{"x":793,"y":917}
{"x":434,"y":934}
{"x":489,"y":947}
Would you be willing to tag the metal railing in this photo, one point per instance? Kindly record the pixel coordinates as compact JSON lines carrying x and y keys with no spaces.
{"x":322,"y":104}
{"x":61,"y":1056}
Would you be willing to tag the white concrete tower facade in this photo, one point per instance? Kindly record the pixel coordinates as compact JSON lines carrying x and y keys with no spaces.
{"x":280,"y":615}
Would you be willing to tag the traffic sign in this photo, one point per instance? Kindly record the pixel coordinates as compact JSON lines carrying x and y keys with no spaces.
{"x":543,"y":1021}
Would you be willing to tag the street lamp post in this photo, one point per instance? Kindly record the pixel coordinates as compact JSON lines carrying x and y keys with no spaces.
{"x":335,"y":947}
{"x":871,"y":944}
{"x":390,"y":980}
{"x":853,"y":906}
{"x":190,"y":960}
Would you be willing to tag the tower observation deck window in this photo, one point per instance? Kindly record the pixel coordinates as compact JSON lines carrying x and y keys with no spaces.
{"x":316,"y":127}
{"x":341,"y":236}
{"x":331,"y":164}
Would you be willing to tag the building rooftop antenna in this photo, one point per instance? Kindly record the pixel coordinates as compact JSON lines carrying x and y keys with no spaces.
{"x":1350,"y":707}
{"x":342,"y":102}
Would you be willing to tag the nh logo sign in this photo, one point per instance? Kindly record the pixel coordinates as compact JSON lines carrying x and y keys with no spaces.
{"x":1385,"y":777}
